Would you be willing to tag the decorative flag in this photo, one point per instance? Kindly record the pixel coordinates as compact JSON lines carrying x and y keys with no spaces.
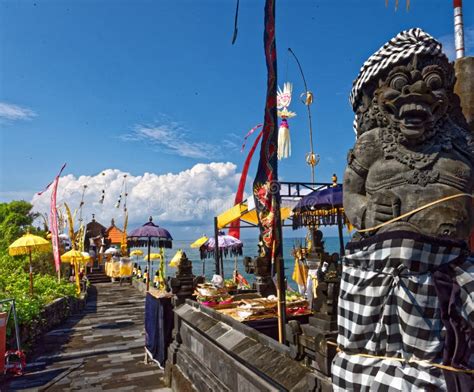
{"x":70,"y":223}
{"x":300,"y":275}
{"x":234,"y":229}
{"x":54,"y":219}
{"x":266,"y":189}
{"x":123,"y":242}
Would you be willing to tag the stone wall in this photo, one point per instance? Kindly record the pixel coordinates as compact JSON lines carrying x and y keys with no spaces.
{"x":213,"y":352}
{"x":51,"y":316}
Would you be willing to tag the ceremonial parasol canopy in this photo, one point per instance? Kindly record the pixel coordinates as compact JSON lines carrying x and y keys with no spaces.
{"x":25,"y":245}
{"x":150,"y":235}
{"x":74,"y":255}
{"x":28,"y":243}
{"x":136,"y":252}
{"x":153,"y":256}
{"x":225,"y":242}
{"x":199,"y":242}
{"x":319,"y":208}
{"x":176,"y":258}
{"x":329,"y":197}
{"x":159,"y":237}
{"x":111,"y":251}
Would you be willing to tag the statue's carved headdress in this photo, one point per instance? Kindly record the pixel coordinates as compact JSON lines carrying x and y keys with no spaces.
{"x":399,"y":50}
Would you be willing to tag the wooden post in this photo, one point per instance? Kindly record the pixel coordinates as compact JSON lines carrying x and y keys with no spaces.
{"x":149,"y":266}
{"x":216,"y":248}
{"x":78,"y":281}
{"x":339,"y":229}
{"x":31,"y":273}
{"x":281,"y":294}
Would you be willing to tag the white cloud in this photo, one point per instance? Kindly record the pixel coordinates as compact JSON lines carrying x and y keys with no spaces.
{"x":9,"y":111}
{"x":448,"y":43}
{"x":190,"y":198}
{"x":170,"y":137}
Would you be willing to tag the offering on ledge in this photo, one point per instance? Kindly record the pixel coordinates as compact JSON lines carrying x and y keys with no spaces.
{"x":209,"y":295}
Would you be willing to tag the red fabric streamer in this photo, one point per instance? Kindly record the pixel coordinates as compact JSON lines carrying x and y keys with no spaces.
{"x":234,"y":229}
{"x":248,"y":134}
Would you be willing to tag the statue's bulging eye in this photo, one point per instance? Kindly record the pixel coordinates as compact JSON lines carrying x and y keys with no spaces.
{"x":399,"y":81}
{"x":434,"y":81}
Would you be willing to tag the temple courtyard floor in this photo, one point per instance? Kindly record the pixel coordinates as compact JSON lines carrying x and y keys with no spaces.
{"x":99,"y":349}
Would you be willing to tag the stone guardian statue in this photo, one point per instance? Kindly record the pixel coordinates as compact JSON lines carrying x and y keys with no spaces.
{"x":406,"y":304}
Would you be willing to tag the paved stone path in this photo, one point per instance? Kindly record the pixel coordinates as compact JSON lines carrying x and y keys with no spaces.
{"x":101,"y":349}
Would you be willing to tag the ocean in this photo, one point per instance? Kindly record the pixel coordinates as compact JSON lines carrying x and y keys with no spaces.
{"x":250,"y":249}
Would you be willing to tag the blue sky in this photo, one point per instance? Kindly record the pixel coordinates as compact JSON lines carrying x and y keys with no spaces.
{"x":156,"y":87}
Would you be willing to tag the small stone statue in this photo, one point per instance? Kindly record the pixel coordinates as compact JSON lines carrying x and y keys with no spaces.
{"x":413,"y":146}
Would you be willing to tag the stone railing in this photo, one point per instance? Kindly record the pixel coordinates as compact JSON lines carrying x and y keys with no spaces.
{"x":51,"y":316}
{"x":213,"y":352}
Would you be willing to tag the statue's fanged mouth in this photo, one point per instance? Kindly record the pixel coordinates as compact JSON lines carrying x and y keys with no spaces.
{"x":414,"y":115}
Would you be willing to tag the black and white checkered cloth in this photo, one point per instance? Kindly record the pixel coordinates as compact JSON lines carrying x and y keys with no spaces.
{"x":401,"y":47}
{"x":389,"y":307}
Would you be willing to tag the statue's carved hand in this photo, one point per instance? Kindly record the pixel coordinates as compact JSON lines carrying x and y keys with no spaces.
{"x":382,"y":207}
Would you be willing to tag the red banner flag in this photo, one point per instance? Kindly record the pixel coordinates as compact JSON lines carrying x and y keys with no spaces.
{"x":234,"y":229}
{"x":53,"y":216}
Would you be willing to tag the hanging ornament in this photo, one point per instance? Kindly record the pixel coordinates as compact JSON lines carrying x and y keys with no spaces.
{"x":312,"y":159}
{"x":283,"y":102}
{"x":102,"y":197}
{"x":119,"y":201}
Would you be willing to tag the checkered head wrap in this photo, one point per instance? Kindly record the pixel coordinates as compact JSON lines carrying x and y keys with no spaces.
{"x":401,"y":47}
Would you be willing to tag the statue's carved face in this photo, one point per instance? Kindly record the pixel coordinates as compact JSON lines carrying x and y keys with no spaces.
{"x":414,"y":99}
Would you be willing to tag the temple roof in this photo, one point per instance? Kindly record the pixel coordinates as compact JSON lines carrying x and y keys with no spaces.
{"x":114,"y":234}
{"x":94,"y":228}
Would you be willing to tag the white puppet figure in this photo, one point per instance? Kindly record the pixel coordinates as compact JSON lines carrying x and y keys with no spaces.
{"x":283,"y":102}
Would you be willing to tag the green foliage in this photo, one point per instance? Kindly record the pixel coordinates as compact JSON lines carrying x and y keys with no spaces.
{"x":15,"y":283}
{"x":15,"y":219}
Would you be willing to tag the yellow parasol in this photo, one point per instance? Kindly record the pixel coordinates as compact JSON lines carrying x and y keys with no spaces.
{"x":27,"y":244}
{"x":176,"y":258}
{"x":153,"y":256}
{"x":75,"y":257}
{"x":136,"y":252}
{"x":199,"y":242}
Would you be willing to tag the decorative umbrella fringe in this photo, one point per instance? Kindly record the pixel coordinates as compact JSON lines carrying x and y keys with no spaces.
{"x":156,"y":243}
{"x":310,"y":218}
{"x":209,"y":253}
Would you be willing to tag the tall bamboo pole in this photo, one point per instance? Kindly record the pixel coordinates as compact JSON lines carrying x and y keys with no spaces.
{"x":216,"y":247}
{"x":149,"y":266}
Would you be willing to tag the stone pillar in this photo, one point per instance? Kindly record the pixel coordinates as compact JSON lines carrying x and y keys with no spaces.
{"x":261,"y":268}
{"x":185,"y":282}
{"x":464,"y":88}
